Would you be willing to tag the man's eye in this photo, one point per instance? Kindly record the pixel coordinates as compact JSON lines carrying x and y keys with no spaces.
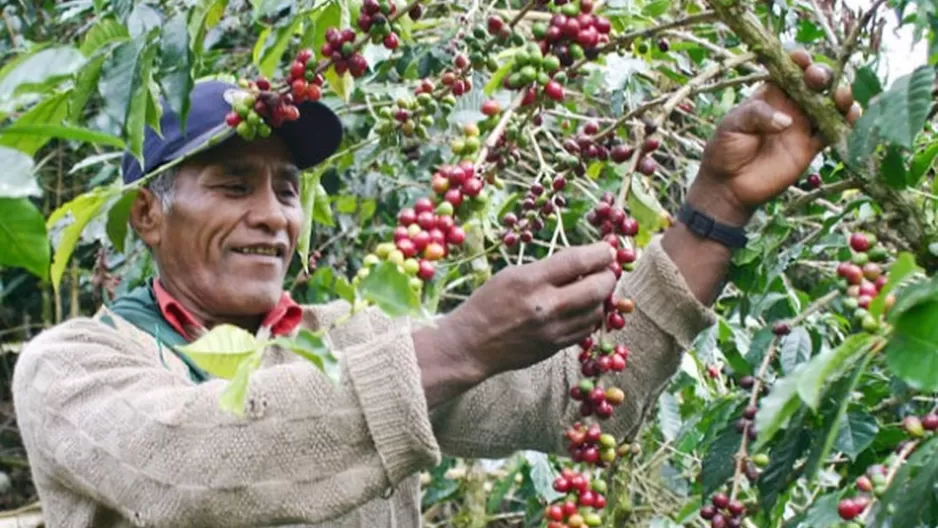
{"x":288,"y":192}
{"x":235,"y":187}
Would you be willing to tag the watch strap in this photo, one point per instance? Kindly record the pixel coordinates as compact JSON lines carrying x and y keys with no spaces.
{"x":707,"y":227}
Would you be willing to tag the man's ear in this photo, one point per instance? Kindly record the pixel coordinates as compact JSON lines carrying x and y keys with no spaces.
{"x":146,"y":217}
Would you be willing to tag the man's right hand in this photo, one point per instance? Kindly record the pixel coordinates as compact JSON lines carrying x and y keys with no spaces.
{"x":527,"y":313}
{"x":521,"y":316}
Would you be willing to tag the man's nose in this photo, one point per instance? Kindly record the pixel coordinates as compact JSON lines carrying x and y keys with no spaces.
{"x":266,"y":209}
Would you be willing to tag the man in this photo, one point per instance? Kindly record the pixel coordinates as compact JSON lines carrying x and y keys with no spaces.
{"x":122,"y":431}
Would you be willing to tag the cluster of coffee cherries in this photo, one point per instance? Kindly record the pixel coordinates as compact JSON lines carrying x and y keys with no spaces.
{"x":373,"y":19}
{"x":595,"y":400}
{"x":541,"y":203}
{"x":425,"y":234}
{"x":459,"y":79}
{"x":865,"y":279}
{"x":723,"y":512}
{"x":411,"y":116}
{"x":456,"y":183}
{"x":530,"y":65}
{"x":340,"y":48}
{"x":468,"y":142}
{"x":573,"y":33}
{"x":583,"y":500}
{"x":263,"y":106}
{"x":611,"y":219}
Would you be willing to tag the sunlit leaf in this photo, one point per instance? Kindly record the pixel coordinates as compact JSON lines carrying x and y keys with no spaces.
{"x":38,"y":70}
{"x":234,"y":397}
{"x":222,"y":350}
{"x":74,"y":216}
{"x":49,"y":112}
{"x":389,"y":288}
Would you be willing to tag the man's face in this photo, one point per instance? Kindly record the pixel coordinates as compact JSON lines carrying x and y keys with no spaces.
{"x":225,"y":244}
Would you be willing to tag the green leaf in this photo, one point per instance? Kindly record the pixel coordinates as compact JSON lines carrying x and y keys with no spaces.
{"x":778,"y":475}
{"x":235,"y":393}
{"x":857,"y":430}
{"x":387,"y":286}
{"x":176,"y":76}
{"x":138,"y":113}
{"x":656,"y":8}
{"x":795,"y":349}
{"x":646,"y":209}
{"x":823,"y":512}
{"x":542,"y":475}
{"x":322,"y":212}
{"x":60,"y":131}
{"x":863,"y":138}
{"x":117,"y":220}
{"x":39,"y":70}
{"x":922,"y":162}
{"x":17,"y":180}
{"x":777,"y":407}
{"x":106,"y":31}
{"x":759,"y":346}
{"x":834,"y":412}
{"x":121,"y":79}
{"x":313,"y":348}
{"x":899,"y":271}
{"x":669,"y":416}
{"x":49,"y":112}
{"x":269,"y":58}
{"x":866,"y":85}
{"x":86,"y":83}
{"x":495,"y":83}
{"x":912,"y":352}
{"x":94,"y":160}
{"x":23,"y":237}
{"x":717,"y":465}
{"x":202,"y":18}
{"x":309,"y":182}
{"x":828,"y":366}
{"x":76,"y":214}
{"x":222,"y":349}
{"x":905,"y":106}
{"x":892,"y":168}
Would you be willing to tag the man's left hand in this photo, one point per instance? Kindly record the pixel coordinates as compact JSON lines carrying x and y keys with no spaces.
{"x":762,"y":147}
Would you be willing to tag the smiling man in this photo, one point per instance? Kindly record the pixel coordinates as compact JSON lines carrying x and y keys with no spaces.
{"x":123,"y":430}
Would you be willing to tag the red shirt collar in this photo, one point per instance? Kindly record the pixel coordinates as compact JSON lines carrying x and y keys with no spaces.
{"x":282,"y":320}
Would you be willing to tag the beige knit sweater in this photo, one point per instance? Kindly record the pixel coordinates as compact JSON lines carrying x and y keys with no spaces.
{"x":117,"y":438}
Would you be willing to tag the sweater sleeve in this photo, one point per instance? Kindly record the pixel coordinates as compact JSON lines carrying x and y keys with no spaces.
{"x":526,"y":409}
{"x":104,"y":419}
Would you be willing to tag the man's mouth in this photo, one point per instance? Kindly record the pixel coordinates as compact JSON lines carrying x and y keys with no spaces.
{"x":261,"y":249}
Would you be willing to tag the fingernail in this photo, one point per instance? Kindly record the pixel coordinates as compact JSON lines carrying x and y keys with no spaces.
{"x":781,"y":120}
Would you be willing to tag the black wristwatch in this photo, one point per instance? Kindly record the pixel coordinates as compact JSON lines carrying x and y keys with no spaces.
{"x":731,"y":236}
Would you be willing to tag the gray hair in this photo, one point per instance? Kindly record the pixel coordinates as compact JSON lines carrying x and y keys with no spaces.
{"x":163,"y":187}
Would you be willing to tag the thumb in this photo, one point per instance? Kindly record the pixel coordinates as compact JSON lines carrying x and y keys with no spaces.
{"x":759,"y":117}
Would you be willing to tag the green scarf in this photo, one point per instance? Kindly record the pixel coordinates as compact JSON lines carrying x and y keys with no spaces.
{"x":139,"y":307}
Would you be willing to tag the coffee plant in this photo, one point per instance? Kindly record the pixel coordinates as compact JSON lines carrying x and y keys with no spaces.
{"x":487,"y":134}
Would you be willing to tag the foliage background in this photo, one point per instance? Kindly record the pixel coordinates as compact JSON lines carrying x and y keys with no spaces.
{"x":78,"y":80}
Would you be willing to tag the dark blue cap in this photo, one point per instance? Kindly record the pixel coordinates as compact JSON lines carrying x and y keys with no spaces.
{"x":311,"y":139}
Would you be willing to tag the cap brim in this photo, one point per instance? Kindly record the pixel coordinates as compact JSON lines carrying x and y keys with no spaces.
{"x":313,"y":137}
